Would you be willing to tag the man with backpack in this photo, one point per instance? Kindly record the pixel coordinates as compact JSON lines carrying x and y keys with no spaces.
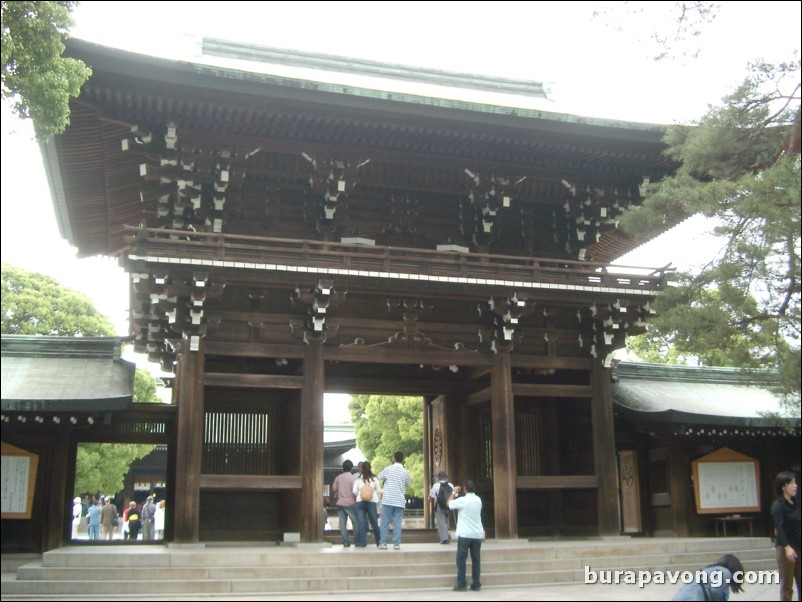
{"x":439,"y":495}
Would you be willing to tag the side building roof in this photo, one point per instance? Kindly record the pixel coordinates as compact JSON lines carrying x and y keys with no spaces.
{"x":65,"y":374}
{"x":688,"y":397}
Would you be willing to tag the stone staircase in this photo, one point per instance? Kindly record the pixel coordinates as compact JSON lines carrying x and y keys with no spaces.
{"x":247,"y":570}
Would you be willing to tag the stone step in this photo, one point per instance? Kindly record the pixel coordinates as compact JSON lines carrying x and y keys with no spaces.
{"x":219,"y":570}
{"x":234,"y":556}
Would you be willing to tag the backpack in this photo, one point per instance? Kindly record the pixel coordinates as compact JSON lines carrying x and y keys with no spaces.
{"x":366,"y":493}
{"x":443,"y":494}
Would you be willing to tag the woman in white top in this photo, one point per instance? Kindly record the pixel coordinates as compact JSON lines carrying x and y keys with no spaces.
{"x":77,"y":512}
{"x":158,"y":520}
{"x":367,"y":490}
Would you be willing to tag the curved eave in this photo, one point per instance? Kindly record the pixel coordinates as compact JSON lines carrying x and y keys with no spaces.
{"x":691,"y":396}
{"x":689,"y":419}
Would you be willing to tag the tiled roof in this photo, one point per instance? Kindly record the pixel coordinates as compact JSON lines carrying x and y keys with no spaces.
{"x":65,"y":374}
{"x":699,"y":395}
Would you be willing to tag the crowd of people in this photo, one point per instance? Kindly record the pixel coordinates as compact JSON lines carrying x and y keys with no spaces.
{"x":358,"y":496}
{"x":138,"y":521}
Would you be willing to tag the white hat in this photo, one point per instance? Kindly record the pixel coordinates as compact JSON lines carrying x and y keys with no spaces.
{"x":76,"y":500}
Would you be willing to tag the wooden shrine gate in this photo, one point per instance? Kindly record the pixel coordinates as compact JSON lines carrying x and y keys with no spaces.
{"x":285,"y":239}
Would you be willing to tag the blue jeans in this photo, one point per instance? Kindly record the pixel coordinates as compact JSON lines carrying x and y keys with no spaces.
{"x":395,"y":514}
{"x":344,"y":512}
{"x":94,"y":531}
{"x":474,"y":546}
{"x":367,"y":512}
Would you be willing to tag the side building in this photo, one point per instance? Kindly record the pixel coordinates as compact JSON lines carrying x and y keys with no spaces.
{"x":671,"y":420}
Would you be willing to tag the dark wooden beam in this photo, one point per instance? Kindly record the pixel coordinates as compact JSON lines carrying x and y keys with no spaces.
{"x":559,"y":482}
{"x":249,"y":482}
{"x":482,"y":396}
{"x":252,"y":381}
{"x":390,"y":354}
{"x":254,"y":350}
{"x":527,"y":390}
{"x":395,"y":354}
{"x":546,"y":362}
{"x":389,"y":386}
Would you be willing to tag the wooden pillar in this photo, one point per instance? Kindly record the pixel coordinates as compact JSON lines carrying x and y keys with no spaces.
{"x":312,"y":447}
{"x":502,"y":408}
{"x":679,"y":486}
{"x":604,"y":458}
{"x":59,"y":500}
{"x":429,"y":467}
{"x":189,"y":444}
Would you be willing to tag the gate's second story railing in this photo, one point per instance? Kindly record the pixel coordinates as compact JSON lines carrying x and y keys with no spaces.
{"x":278,"y":253}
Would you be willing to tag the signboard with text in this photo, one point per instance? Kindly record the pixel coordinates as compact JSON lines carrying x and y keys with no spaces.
{"x":726,"y":481}
{"x":18,"y":482}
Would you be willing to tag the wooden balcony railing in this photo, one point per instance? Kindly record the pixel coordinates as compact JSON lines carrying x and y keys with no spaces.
{"x":240,"y":249}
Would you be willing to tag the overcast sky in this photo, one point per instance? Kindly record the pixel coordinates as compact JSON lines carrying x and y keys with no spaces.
{"x":589,"y":66}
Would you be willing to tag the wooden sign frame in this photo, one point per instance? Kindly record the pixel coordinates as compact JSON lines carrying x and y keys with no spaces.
{"x":726,"y":481}
{"x":18,"y":465}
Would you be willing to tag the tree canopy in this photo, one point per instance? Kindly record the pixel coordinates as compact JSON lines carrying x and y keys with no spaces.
{"x":101,"y":467}
{"x":33,"y":303}
{"x":740,"y":165}
{"x":386,"y":424}
{"x":36,"y":79}
{"x":145,"y":387}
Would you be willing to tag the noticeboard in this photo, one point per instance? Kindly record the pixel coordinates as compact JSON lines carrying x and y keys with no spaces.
{"x":18,"y":482}
{"x":726,"y":481}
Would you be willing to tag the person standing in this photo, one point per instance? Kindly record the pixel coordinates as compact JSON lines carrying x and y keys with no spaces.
{"x":158,"y":520}
{"x":359,"y":466}
{"x":147,"y":515}
{"x":470,"y":534}
{"x":95,"y":511}
{"x":343,"y":488}
{"x":126,"y":512}
{"x":396,"y":480}
{"x":439,"y":495}
{"x":108,"y":519}
{"x":786,"y":517}
{"x":367,"y":490}
{"x":77,"y":512}
{"x":134,"y":520}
